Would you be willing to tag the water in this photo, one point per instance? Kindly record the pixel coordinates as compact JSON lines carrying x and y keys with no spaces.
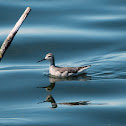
{"x":78,"y":33}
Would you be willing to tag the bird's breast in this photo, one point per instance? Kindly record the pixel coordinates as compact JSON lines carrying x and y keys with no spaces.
{"x":53,"y":71}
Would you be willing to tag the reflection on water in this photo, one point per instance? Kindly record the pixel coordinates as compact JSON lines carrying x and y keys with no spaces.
{"x":49,"y":98}
{"x":53,"y":80}
{"x":50,"y":87}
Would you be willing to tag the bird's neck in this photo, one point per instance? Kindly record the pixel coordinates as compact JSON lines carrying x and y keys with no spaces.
{"x":52,"y":62}
{"x":54,"y":104}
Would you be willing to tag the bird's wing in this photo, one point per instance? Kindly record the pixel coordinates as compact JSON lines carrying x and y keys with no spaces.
{"x":68,"y":69}
{"x":72,"y":70}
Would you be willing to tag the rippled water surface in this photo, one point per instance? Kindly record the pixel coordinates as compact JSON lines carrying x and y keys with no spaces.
{"x":78,"y":33}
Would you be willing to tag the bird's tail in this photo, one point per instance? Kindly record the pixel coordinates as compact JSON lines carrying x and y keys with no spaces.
{"x":81,"y":69}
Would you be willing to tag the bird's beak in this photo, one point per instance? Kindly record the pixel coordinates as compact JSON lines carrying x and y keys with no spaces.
{"x":41,"y":60}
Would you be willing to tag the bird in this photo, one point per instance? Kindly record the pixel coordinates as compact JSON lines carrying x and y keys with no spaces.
{"x":62,"y":71}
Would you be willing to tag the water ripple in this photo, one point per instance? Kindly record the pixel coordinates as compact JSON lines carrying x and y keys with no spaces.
{"x":99,"y":18}
{"x":61,"y":31}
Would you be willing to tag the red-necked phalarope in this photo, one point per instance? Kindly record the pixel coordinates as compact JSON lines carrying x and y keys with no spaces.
{"x":63,"y":71}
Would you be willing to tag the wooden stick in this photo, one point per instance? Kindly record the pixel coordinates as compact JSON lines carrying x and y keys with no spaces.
{"x":13,"y":32}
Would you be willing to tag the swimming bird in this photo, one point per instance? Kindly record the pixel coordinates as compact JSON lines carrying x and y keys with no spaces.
{"x":62,"y":71}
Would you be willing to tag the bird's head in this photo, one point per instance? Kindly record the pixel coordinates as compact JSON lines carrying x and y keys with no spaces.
{"x":49,"y":56}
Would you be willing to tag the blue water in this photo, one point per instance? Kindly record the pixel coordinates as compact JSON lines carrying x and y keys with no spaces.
{"x":78,"y":33}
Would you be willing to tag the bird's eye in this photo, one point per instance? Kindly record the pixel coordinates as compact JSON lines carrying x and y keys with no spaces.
{"x":49,"y":56}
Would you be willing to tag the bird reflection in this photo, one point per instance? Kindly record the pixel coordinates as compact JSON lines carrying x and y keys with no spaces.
{"x":53,"y":80}
{"x":49,"y":98}
{"x":50,"y":87}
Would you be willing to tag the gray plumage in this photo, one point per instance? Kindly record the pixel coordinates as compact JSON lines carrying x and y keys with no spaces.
{"x":70,"y":69}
